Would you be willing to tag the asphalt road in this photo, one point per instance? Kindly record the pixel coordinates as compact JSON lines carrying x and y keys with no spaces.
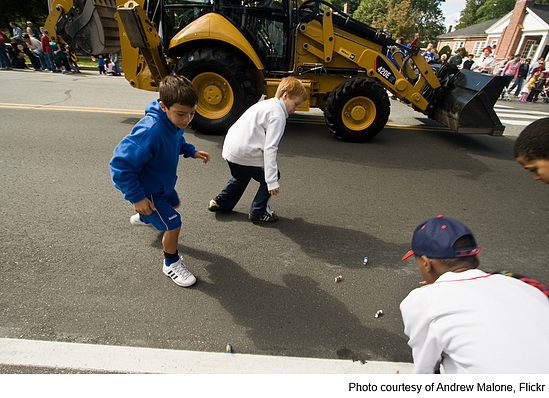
{"x":73,"y":269}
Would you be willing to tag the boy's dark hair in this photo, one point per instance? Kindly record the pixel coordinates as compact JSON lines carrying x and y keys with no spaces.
{"x":177,"y":89}
{"x":463,"y":242}
{"x":533,"y":142}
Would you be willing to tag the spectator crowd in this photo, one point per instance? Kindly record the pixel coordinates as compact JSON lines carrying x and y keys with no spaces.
{"x":31,"y":48}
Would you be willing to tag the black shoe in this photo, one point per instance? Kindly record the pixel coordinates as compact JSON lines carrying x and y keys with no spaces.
{"x":266,"y":218}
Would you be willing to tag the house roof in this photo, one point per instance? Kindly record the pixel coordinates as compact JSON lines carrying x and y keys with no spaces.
{"x":541,"y":11}
{"x":476,"y":30}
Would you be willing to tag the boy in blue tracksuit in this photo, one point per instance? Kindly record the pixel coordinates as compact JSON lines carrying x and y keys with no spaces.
{"x":144,"y":167}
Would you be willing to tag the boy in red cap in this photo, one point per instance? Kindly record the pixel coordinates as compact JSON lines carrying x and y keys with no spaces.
{"x":468,"y":320}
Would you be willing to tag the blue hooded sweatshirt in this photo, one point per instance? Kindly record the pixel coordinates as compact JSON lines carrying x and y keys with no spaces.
{"x":145,"y":161}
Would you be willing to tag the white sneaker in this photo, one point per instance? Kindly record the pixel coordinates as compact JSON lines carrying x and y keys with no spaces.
{"x":179,"y":273}
{"x":136,"y":220}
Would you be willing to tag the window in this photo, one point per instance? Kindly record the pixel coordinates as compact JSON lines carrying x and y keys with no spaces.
{"x":457,"y":44}
{"x":529,"y":49}
{"x":479,"y":45}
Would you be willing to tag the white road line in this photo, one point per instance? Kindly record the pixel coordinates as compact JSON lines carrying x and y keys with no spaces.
{"x":516,"y":122}
{"x":517,"y":112}
{"x":518,"y":116}
{"x":19,"y":352}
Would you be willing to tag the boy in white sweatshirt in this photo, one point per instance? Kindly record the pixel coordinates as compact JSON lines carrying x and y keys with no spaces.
{"x":250,"y":149}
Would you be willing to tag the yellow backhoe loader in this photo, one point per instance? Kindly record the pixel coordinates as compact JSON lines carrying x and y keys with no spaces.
{"x":235,"y":51}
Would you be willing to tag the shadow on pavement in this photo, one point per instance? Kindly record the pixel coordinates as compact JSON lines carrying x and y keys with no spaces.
{"x":300,"y":311}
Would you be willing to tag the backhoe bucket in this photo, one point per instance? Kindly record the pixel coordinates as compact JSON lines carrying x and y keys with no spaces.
{"x":90,"y":26}
{"x":468,"y":106}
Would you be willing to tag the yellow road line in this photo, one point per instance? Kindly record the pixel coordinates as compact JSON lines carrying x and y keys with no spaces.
{"x":320,"y":120}
{"x":307,"y":120}
{"x":72,"y":108}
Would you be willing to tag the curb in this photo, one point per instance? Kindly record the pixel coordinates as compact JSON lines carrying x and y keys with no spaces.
{"x":123,"y":359}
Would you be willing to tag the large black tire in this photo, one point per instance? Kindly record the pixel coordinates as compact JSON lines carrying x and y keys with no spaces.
{"x":357,"y":110}
{"x":225,"y":85}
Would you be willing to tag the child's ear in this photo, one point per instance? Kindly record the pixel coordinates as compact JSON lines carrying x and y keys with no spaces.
{"x":162,"y":106}
{"x":424,"y":262}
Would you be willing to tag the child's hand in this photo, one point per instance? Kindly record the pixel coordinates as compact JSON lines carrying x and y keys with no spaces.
{"x":144,"y":206}
{"x":205,"y":156}
{"x":274,"y":192}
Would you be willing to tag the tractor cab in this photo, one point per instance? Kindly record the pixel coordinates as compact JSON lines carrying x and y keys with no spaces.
{"x":264,"y":24}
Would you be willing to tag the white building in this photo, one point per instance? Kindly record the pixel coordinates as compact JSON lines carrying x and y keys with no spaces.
{"x":523,"y":31}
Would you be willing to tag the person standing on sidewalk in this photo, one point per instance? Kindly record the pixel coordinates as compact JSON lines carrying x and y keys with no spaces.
{"x":510,"y":72}
{"x":5,"y":62}
{"x":46,"y":49}
{"x":58,"y":56}
{"x":521,"y":76}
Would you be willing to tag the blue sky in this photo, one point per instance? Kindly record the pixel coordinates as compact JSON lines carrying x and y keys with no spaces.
{"x":451,"y":10}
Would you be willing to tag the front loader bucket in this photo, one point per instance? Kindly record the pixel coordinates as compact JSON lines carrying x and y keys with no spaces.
{"x":89,"y":26}
{"x":468,"y":106}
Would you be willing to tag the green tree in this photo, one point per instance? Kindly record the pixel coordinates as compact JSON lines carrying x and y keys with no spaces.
{"x":399,"y":19}
{"x":20,"y":12}
{"x":468,"y":15}
{"x":477,"y":11}
{"x":394,"y":15}
{"x":340,"y":4}
{"x":445,"y":50}
{"x":494,"y":9}
{"x":371,"y":10}
{"x":430,"y":20}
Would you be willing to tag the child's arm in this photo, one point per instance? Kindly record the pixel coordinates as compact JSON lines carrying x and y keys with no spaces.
{"x":423,"y":340}
{"x":273,"y":135}
{"x":189,"y":151}
{"x":205,"y":156}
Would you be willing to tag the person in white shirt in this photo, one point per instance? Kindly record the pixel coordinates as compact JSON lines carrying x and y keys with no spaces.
{"x":251,"y":146}
{"x":468,"y":320}
{"x":35,"y":46}
{"x":486,"y":63}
